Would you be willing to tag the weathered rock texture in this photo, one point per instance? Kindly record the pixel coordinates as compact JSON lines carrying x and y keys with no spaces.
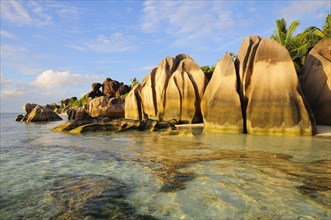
{"x":173,"y":90}
{"x":77,"y":113}
{"x":220,"y":105}
{"x":272,"y":101}
{"x":39,"y":114}
{"x":315,"y":79}
{"x":105,"y":106}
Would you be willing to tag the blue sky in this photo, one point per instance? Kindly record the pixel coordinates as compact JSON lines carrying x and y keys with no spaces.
{"x":51,"y":50}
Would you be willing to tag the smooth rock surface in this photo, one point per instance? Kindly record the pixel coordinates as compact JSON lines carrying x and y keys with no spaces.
{"x":41,"y":114}
{"x":274,"y":99}
{"x":105,"y":106}
{"x":315,"y":79}
{"x":220,"y":105}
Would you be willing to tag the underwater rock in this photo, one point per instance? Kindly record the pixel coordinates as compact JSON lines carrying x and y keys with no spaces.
{"x":92,"y":197}
{"x":113,"y":125}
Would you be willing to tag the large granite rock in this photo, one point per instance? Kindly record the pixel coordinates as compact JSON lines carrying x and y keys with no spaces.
{"x":315,"y":79}
{"x":105,"y":106}
{"x":220,"y":105}
{"x":184,"y":93}
{"x":41,"y":114}
{"x":271,"y":94}
{"x":75,"y":113}
{"x":158,"y":95}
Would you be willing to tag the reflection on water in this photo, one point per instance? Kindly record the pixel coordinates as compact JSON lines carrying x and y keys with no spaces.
{"x":186,"y":174}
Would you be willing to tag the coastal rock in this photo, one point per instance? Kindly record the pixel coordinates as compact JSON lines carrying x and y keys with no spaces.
{"x":110,"y":87}
{"x":184,"y":92}
{"x":315,"y":79}
{"x":272,"y":96}
{"x":41,"y":114}
{"x":28,"y":107}
{"x":133,"y":103}
{"x":105,"y":106}
{"x":220,"y":105}
{"x":122,"y":90}
{"x":77,"y":113}
{"x":154,"y":94}
{"x":19,"y":118}
{"x":113,"y":125}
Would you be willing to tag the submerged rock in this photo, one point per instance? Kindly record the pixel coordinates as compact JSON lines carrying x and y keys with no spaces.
{"x":315,"y":79}
{"x":112,"y":125}
{"x":92,"y":197}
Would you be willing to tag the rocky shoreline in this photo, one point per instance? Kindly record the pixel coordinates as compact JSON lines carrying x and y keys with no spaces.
{"x":257,"y":92}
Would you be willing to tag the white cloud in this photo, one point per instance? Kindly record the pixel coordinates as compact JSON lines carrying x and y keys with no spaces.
{"x":9,"y":90}
{"x":188,"y":21}
{"x":117,"y":42}
{"x":51,"y":79}
{"x":6,"y":34}
{"x":303,"y":9}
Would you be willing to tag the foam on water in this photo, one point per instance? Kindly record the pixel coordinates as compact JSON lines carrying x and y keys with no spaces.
{"x":146,"y":175}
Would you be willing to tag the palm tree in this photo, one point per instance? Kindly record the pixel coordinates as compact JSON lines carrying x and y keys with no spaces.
{"x":308,"y":39}
{"x":285,"y":36}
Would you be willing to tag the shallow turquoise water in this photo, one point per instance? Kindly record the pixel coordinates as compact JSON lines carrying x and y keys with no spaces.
{"x":146,"y":175}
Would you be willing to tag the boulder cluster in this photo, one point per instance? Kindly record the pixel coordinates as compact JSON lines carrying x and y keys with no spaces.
{"x":172,"y":91}
{"x":258,"y":92}
{"x":38,"y":113}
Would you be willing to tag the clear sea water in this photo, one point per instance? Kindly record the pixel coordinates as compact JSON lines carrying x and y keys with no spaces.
{"x":157,"y":175}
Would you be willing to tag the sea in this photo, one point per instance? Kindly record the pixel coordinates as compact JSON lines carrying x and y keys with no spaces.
{"x":190,"y":174}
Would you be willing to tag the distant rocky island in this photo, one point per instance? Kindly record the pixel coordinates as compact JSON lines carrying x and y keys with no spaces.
{"x":256,"y":92}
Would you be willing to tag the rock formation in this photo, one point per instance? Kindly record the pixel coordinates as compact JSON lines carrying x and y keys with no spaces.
{"x":95,"y":91}
{"x":173,"y":90}
{"x":220,"y":105}
{"x":184,"y":93}
{"x":315,"y":79}
{"x":39,"y":114}
{"x":105,"y":106}
{"x":77,"y":113}
{"x":272,"y":99}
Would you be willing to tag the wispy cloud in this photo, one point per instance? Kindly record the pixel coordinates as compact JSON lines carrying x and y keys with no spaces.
{"x":51,"y":79}
{"x":187,"y":22}
{"x":29,"y":13}
{"x":19,"y":58}
{"x":9,"y":89}
{"x":7,"y":34}
{"x":303,"y":9}
{"x":116,"y":42}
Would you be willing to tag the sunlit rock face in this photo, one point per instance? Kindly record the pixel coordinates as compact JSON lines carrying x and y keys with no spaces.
{"x":315,"y":79}
{"x":39,"y":114}
{"x":173,"y":90}
{"x":105,"y":106}
{"x":220,"y":105}
{"x":272,"y":99}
